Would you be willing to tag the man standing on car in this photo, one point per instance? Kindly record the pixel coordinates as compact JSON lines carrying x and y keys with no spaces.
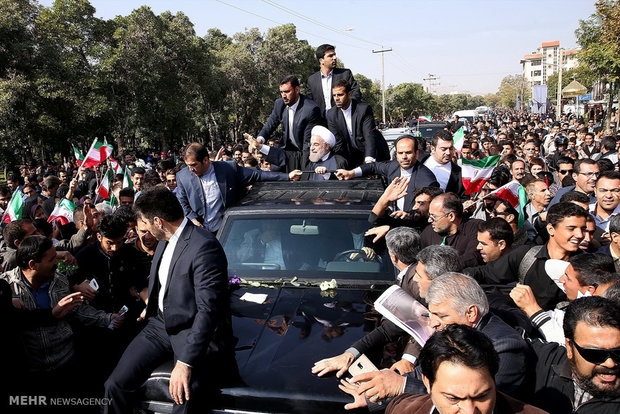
{"x":188,"y":311}
{"x":320,"y":83}
{"x":298,"y":115}
{"x":353,"y":124}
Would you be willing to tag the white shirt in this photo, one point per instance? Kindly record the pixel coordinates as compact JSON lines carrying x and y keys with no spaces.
{"x":347,"y":119}
{"x":291,"y":118}
{"x":400,"y":203}
{"x":603,"y":224}
{"x":442,"y":171}
{"x":164,"y":265}
{"x":214,"y":204}
{"x":326,"y":83}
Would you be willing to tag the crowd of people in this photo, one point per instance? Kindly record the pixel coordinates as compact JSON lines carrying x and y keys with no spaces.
{"x":136,"y":276}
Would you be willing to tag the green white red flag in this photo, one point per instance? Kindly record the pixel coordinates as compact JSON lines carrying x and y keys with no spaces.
{"x":14,"y":208}
{"x":79,"y":157}
{"x":458,"y":139}
{"x":425,"y":118}
{"x":63,"y":212}
{"x":477,"y":172}
{"x":516,"y":196}
{"x":97,"y":153}
{"x":127,"y":179}
{"x":116,"y":166}
{"x":105,"y":186}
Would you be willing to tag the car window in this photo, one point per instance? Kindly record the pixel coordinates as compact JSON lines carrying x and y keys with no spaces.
{"x":318,"y":246}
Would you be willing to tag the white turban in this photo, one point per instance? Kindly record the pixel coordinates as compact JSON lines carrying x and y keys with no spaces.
{"x":325,"y":134}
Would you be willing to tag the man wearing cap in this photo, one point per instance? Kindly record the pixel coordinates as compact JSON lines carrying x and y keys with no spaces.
{"x":583,"y":275}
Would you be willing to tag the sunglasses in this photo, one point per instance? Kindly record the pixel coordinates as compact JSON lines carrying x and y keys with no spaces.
{"x":566,"y":172}
{"x":598,"y":356}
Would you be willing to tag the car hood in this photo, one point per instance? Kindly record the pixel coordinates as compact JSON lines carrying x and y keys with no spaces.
{"x":279,"y":341}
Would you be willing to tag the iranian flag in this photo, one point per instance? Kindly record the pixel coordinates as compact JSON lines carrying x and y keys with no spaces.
{"x":63,"y":212}
{"x":79,"y":158}
{"x":477,"y":172}
{"x":116,"y":166}
{"x":516,"y":196}
{"x":105,"y":186}
{"x":425,"y":118}
{"x":458,"y":139}
{"x":97,"y":153}
{"x":14,"y":208}
{"x":127,"y":179}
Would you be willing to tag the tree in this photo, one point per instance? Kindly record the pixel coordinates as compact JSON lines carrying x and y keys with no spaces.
{"x":599,"y":38}
{"x":580,"y":73}
{"x":371,"y":93}
{"x":406,"y":99}
{"x":512,"y":85}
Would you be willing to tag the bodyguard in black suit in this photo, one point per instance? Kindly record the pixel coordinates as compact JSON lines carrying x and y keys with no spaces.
{"x":329,"y":75}
{"x":188,"y":310}
{"x":353,"y":124}
{"x":405,"y":164}
{"x":295,"y":132}
{"x":448,"y":173}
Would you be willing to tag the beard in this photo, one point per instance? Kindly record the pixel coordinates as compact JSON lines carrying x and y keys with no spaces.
{"x":587,"y":384}
{"x":316,"y":156}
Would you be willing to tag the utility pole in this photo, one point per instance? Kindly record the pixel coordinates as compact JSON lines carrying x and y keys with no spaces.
{"x":382,"y":51}
{"x":559,"y":105}
{"x":430,"y":80}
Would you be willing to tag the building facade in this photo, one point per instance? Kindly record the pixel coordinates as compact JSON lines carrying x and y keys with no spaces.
{"x":540,"y":65}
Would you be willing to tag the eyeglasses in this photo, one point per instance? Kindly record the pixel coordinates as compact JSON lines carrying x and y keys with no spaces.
{"x":564,"y":172}
{"x":591,"y":174}
{"x":433,"y":218}
{"x":598,"y":355}
{"x":529,"y":149}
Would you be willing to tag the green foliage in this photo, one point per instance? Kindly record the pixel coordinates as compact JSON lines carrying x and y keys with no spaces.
{"x":510,"y":86}
{"x":599,"y":38}
{"x":580,"y":73}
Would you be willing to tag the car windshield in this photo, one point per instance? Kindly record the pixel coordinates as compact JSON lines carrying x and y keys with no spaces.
{"x":429,"y":131}
{"x":312,"y":246}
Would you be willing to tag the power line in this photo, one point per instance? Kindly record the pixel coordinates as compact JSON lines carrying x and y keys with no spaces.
{"x":316,"y":22}
{"x":280,"y":24}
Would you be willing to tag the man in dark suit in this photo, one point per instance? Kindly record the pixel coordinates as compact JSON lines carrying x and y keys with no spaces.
{"x":188,"y":310}
{"x":405,"y":165}
{"x":448,"y":173}
{"x":454,"y":298}
{"x":320,"y":83}
{"x":353,"y":124}
{"x":297,"y":114}
{"x":205,"y":189}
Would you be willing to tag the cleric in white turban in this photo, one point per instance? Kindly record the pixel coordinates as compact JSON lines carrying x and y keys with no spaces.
{"x":321,"y":160}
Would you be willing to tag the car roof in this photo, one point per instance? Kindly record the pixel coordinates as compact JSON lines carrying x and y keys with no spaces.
{"x":358,"y":192}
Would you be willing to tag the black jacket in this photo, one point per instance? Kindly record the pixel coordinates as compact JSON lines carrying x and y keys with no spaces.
{"x":315,"y":87}
{"x":512,"y":350}
{"x":505,"y":270}
{"x":369,"y":141}
{"x":554,"y":389}
{"x":465,"y":241}
{"x":455,"y":182}
{"x":421,"y":176}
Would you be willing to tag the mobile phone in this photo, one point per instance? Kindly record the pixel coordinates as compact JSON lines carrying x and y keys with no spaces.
{"x":93,"y":284}
{"x":121,"y":314}
{"x":362,"y":365}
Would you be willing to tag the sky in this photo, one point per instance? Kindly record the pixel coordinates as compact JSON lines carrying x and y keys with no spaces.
{"x":469,"y":45}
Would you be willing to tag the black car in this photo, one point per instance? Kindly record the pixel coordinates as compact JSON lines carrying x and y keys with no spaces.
{"x":316,"y":230}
